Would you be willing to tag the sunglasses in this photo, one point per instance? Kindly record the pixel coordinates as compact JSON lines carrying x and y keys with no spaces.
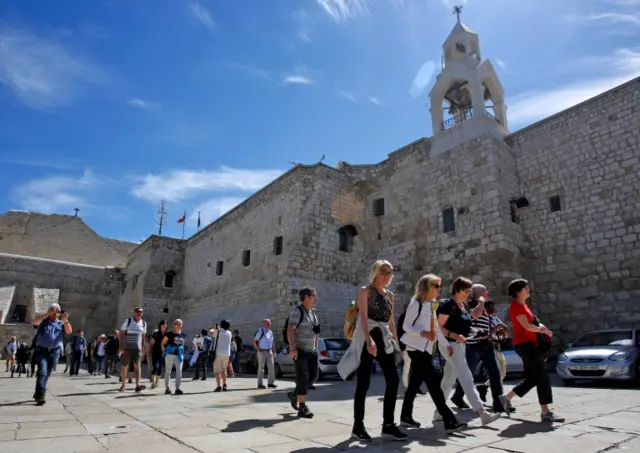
{"x":436,"y":286}
{"x":386,"y":273}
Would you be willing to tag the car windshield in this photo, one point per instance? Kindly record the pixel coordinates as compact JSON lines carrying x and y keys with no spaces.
{"x":337,"y":344}
{"x":611,"y":338}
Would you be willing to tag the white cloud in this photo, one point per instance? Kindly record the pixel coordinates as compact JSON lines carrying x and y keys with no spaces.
{"x":202,"y":13}
{"x":142,"y":104}
{"x":348,"y":95}
{"x":41,"y":72}
{"x":304,"y":24}
{"x":212,"y":209}
{"x":501,"y":63}
{"x":343,"y":10}
{"x":615,"y":18}
{"x":38,"y":163}
{"x":57,"y":194}
{"x":179,"y":185}
{"x":375,"y":101}
{"x":299,"y":76}
{"x":621,"y":67}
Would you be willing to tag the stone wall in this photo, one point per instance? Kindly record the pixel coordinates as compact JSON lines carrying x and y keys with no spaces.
{"x":59,"y":237}
{"x":88,"y":293}
{"x":586,"y":256}
{"x":244,"y":295}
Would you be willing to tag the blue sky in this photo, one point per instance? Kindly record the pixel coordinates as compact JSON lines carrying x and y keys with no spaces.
{"x":112,"y":105}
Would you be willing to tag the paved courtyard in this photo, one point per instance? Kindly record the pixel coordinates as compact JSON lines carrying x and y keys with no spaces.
{"x":87,"y":414}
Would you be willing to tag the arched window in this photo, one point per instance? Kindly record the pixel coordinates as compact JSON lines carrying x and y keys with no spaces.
{"x":346,"y":235}
{"x":169,"y":277}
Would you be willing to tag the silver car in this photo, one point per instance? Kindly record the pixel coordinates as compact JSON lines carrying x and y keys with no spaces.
{"x":330,"y":351}
{"x":601,"y":354}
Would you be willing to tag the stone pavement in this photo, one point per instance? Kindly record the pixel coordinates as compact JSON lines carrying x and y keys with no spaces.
{"x":88,"y":415}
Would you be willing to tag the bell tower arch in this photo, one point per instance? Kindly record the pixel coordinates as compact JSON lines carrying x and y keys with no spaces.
{"x":467,"y":99}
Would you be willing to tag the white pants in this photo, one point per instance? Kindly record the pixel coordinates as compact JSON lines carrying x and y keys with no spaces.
{"x":406,"y":367}
{"x":457,"y":368}
{"x":169,"y":360}
{"x":266,"y":356}
{"x":502,"y":364}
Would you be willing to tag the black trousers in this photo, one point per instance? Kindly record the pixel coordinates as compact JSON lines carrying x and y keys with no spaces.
{"x":535,"y":373}
{"x":483,"y":351}
{"x":110,"y":363}
{"x":388,"y":366}
{"x":201,"y":364}
{"x":422,"y":370}
{"x":306,"y":370}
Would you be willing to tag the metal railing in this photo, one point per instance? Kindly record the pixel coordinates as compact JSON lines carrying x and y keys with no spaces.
{"x":463,"y":116}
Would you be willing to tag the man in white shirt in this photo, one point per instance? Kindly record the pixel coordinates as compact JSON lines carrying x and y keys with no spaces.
{"x":11,"y":349}
{"x":266,"y":348}
{"x":132,"y":338}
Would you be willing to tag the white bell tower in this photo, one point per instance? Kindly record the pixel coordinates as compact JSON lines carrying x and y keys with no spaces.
{"x":467,"y":99}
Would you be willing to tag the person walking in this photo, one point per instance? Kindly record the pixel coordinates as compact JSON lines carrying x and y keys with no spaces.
{"x":173,"y":352}
{"x":11,"y":349}
{"x":527,"y":344}
{"x":374,"y":337}
{"x":132,"y":337}
{"x":156,"y":352}
{"x":204,"y":346}
{"x":421,"y":331}
{"x":221,"y":350}
{"x":264,"y":344}
{"x":99,"y":354}
{"x":303,"y":335}
{"x":454,"y":318}
{"x":235,"y":356}
{"x":79,"y":346}
{"x":48,"y":346}
{"x":112,"y":346}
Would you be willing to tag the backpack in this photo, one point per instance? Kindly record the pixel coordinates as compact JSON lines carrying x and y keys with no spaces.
{"x":544,"y":342}
{"x":350,"y":319}
{"x":285,"y":334}
{"x":400,"y":329}
{"x":129,"y":323}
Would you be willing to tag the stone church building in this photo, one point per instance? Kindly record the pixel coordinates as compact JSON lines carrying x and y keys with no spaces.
{"x":557,"y":202}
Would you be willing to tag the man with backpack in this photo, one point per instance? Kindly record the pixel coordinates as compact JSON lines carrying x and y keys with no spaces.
{"x":11,"y":348}
{"x":111,"y":348}
{"x":266,"y":350}
{"x":132,"y":338}
{"x":302,"y":329}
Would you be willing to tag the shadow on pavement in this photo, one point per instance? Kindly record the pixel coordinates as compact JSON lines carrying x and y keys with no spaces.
{"x":245,"y":425}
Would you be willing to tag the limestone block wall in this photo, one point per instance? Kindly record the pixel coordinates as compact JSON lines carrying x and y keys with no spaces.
{"x":131,"y":288}
{"x":43,"y":298}
{"x":88,"y":293}
{"x":586,"y":256}
{"x":6,"y":299}
{"x":59,"y":237}
{"x":246,"y":294}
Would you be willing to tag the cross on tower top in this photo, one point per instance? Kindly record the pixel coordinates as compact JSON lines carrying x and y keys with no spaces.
{"x":457,"y":10}
{"x":76,"y":210}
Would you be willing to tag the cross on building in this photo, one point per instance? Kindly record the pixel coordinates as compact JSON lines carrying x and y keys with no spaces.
{"x":457,"y":10}
{"x":76,"y":210}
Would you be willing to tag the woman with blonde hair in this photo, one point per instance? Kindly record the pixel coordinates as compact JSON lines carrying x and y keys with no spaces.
{"x":421,"y":331}
{"x":374,"y":337}
{"x":173,"y":352}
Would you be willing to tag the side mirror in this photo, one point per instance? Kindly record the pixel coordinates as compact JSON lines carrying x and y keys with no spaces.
{"x":569,"y":345}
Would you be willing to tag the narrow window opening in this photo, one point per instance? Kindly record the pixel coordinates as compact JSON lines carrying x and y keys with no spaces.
{"x":277,"y":245}
{"x":169,"y":277}
{"x":219,"y":268}
{"x":448,"y":220}
{"x":554,"y":203}
{"x":378,"y":207}
{"x":346,"y":235}
{"x":19,"y":314}
{"x":246,"y":258}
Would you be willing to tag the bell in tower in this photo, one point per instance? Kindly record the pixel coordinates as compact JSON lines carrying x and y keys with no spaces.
{"x":459,"y":110}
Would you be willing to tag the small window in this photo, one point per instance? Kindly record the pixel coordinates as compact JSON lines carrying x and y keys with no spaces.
{"x":514,"y":213}
{"x":346,"y":235}
{"x":554,"y":203}
{"x":169,"y":278}
{"x":379,"y":235}
{"x":246,"y":258}
{"x":135,"y":281}
{"x":219,"y":268}
{"x":277,"y":245}
{"x":378,"y":207}
{"x":19,"y":314}
{"x":448,"y":220}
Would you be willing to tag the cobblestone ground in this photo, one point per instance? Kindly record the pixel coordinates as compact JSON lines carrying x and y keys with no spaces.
{"x":87,"y":414}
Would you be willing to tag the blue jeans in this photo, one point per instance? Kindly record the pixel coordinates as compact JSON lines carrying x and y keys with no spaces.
{"x":78,"y":357}
{"x":234,"y":362}
{"x":99,"y":361}
{"x":47,"y":360}
{"x":483,"y":352}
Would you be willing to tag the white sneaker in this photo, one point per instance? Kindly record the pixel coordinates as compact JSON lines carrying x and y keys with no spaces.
{"x":488,"y":418}
{"x":436,"y":416}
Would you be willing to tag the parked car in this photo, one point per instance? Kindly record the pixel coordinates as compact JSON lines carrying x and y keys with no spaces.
{"x":330,"y":352}
{"x":602,"y":354}
{"x":248,"y":360}
{"x":514,"y":362}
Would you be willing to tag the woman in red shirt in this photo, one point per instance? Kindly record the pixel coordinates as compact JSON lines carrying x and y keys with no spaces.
{"x":525,"y":342}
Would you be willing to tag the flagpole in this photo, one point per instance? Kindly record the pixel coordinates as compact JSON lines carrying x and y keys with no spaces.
{"x":184,"y":223}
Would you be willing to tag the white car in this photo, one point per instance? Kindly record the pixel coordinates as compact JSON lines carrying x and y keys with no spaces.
{"x":330,"y":351}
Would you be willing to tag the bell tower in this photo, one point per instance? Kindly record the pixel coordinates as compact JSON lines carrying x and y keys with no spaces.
{"x":467,"y":99}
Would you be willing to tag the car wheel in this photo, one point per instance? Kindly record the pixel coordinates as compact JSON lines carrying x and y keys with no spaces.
{"x":278,"y":371}
{"x":568,"y":382}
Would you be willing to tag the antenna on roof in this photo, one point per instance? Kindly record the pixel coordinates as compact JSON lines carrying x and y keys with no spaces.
{"x":322,"y":158}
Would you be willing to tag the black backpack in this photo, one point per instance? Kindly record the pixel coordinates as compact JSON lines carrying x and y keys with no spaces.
{"x":285,"y":334}
{"x":400,"y":329}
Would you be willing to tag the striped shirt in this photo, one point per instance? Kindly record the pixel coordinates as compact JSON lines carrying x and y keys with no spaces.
{"x":482,"y":328}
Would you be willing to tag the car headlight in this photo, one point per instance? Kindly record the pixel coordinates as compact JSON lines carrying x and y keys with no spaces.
{"x":619,"y":356}
{"x":563,"y":357}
